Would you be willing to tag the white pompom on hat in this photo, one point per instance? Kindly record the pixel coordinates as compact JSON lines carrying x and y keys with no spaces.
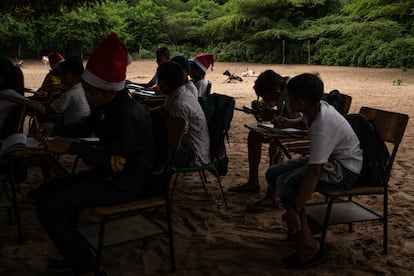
{"x":204,"y":61}
{"x":55,"y":59}
{"x":106,"y":67}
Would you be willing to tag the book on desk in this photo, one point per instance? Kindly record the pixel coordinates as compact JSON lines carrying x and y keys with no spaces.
{"x":269,"y":128}
{"x":21,"y":141}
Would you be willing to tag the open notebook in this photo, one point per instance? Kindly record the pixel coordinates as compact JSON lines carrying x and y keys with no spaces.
{"x":282,"y":130}
{"x":21,"y":141}
{"x":18,"y":141}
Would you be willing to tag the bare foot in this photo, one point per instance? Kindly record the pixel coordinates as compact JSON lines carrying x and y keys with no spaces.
{"x":306,"y":252}
{"x":249,"y":187}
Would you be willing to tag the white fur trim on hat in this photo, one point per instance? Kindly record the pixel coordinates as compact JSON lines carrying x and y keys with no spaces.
{"x":199,"y":64}
{"x":54,"y":66}
{"x":97,"y":82}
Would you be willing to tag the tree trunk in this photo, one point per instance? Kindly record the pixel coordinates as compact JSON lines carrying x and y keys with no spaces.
{"x":283,"y":51}
{"x":309,"y":53}
{"x":19,"y":47}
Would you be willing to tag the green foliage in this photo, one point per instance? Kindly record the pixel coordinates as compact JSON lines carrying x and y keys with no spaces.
{"x":397,"y":81}
{"x":39,"y":8}
{"x":355,"y":43}
{"x":375,"y":33}
{"x":380,"y":9}
{"x":398,"y":53}
{"x":15,"y":34}
{"x":144,"y":25}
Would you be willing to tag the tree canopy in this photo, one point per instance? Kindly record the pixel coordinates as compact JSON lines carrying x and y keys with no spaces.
{"x":374,"y":33}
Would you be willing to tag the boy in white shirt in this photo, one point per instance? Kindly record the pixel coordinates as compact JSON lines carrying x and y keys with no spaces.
{"x":333,"y":143}
{"x":183,"y":106}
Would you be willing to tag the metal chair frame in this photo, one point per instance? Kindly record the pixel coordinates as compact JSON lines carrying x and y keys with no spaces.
{"x":95,"y":233}
{"x":391,"y":127}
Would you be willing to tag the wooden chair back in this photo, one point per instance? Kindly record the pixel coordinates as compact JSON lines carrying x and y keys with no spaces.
{"x":390,"y":125}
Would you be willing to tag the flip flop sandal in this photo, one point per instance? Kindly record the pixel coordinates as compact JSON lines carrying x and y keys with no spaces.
{"x":261,"y":207}
{"x":59,"y":267}
{"x":292,"y":261}
{"x":241,"y":189}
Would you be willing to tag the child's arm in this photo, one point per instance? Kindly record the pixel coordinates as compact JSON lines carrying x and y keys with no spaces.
{"x":308,"y":185}
{"x":283,"y":122}
{"x":38,"y":107}
{"x":311,"y":179}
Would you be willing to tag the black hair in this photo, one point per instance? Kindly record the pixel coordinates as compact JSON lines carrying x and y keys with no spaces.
{"x":183,"y":61}
{"x":171,"y":74}
{"x":308,"y":87}
{"x":12,"y":76}
{"x":267,"y":81}
{"x":72,"y":65}
{"x":163,"y":51}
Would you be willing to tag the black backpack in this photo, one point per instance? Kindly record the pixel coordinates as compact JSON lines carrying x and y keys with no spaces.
{"x":337,"y":100}
{"x":218,"y":109}
{"x":375,"y":153}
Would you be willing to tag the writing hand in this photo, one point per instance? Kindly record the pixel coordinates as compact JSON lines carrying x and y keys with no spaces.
{"x":280,"y":122}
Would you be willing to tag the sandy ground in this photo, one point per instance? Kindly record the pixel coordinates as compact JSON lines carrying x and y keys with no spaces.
{"x":214,"y":241}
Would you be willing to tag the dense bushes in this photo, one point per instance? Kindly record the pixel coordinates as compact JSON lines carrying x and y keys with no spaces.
{"x":370,"y":33}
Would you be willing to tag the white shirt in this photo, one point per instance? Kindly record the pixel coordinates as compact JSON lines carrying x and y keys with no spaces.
{"x":332,"y":138}
{"x":202,"y":87}
{"x":73,"y":104}
{"x":183,"y":104}
{"x":192,"y":88}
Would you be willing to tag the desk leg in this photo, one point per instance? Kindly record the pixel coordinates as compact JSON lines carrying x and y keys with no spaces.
{"x":14,"y":199}
{"x":282,"y":147}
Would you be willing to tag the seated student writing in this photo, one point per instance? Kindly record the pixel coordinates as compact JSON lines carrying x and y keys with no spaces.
{"x":271,"y":88}
{"x":185,"y":64}
{"x":162,"y":55}
{"x":198,"y":68}
{"x":72,"y":103}
{"x":51,"y":83}
{"x":12,"y":95}
{"x":120,"y":168}
{"x":333,"y":144}
{"x":183,"y":106}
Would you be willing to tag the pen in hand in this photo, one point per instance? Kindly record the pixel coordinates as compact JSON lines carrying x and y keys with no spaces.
{"x":36,"y":122}
{"x":282,"y":110}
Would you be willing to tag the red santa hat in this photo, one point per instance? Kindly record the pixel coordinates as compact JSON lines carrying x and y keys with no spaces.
{"x":55,"y":59}
{"x":106,"y":67}
{"x":204,"y":61}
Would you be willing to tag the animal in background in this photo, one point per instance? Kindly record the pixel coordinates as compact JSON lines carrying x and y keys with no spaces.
{"x":19,"y":62}
{"x":45,"y":60}
{"x":248,"y":73}
{"x":231,"y":76}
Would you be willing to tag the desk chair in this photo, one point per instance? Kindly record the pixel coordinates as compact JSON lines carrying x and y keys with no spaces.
{"x":8,"y":190}
{"x":113,"y":228}
{"x":218,"y":110}
{"x":391,"y":127}
{"x":10,"y":181}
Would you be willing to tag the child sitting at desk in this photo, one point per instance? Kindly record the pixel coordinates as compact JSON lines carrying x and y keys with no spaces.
{"x":162,"y":55}
{"x":52,"y":83}
{"x":271,"y":87}
{"x":333,"y":143}
{"x":198,"y":68}
{"x":12,"y":95}
{"x":72,"y":103}
{"x":120,"y":169}
{"x":182,"y":105}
